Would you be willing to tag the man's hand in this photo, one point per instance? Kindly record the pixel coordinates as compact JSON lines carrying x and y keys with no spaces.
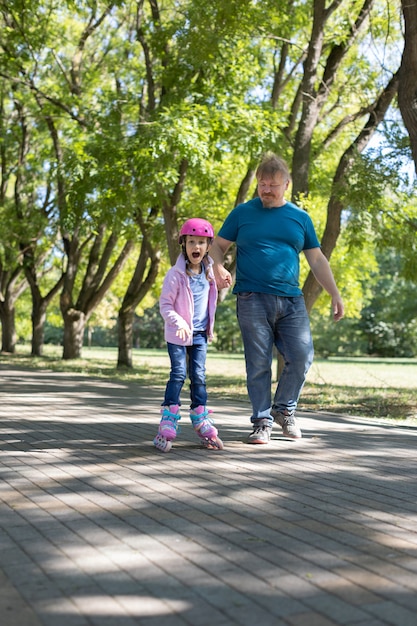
{"x":217,"y":251}
{"x":338,"y":308}
{"x":223,"y":277}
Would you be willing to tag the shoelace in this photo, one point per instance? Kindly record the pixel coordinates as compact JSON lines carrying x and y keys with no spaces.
{"x":202,"y":421}
{"x":172,"y":417}
{"x":261,"y":428}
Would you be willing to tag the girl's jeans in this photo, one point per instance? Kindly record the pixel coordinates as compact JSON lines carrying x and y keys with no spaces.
{"x":266,"y":320}
{"x":191,"y":360}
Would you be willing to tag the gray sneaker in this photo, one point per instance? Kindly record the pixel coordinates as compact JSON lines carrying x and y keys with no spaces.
{"x":288,"y":424}
{"x":261,"y":432}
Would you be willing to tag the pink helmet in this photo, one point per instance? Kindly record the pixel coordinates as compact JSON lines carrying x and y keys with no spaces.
{"x":198,"y":227}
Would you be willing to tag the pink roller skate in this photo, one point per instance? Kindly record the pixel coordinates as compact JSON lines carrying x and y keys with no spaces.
{"x":205,"y":429}
{"x":168,"y":426}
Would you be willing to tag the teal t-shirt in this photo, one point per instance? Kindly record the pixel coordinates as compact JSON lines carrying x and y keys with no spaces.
{"x":268,"y":244}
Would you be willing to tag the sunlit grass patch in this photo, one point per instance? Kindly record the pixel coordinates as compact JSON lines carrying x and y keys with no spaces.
{"x":384,"y":403}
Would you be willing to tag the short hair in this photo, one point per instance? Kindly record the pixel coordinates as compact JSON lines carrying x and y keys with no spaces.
{"x":271,"y":164}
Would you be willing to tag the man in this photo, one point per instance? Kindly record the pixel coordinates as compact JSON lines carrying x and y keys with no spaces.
{"x":270,"y":233}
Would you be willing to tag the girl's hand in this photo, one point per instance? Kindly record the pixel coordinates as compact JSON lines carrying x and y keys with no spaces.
{"x":183,"y":333}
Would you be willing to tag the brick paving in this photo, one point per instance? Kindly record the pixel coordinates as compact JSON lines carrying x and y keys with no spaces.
{"x":98,"y":528}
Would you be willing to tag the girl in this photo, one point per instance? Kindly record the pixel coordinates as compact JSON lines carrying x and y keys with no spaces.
{"x":188,"y":304}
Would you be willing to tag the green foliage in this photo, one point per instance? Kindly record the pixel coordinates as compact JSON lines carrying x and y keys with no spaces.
{"x":387,"y":325}
{"x":389,"y":322}
{"x":53,"y":334}
{"x":148,"y":330}
{"x":104,"y":103}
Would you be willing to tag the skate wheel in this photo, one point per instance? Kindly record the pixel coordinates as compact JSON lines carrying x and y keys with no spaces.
{"x":213,"y":444}
{"x":162,"y":444}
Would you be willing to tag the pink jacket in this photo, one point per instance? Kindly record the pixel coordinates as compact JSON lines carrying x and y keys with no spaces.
{"x":176,"y":303}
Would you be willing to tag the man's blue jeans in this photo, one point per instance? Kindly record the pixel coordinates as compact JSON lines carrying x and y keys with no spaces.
{"x":266,"y":320}
{"x":191,"y":360}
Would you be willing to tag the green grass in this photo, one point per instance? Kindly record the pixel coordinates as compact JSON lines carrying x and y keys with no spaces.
{"x":374,"y":388}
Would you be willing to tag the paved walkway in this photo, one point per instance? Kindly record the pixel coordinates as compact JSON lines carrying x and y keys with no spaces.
{"x":98,"y":528}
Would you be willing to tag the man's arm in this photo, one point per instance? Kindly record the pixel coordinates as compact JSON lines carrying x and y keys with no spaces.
{"x":217,"y":251}
{"x":322,"y":271}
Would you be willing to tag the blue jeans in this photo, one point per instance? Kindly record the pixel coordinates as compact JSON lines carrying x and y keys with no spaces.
{"x":191,"y":360}
{"x":266,"y":320}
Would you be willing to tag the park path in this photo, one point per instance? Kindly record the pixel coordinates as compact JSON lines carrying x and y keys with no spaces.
{"x":98,"y":528}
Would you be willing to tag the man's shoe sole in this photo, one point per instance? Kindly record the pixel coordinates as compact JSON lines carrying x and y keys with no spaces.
{"x":256,"y":441}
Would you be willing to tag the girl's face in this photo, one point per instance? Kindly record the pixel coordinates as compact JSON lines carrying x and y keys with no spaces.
{"x":196,"y":248}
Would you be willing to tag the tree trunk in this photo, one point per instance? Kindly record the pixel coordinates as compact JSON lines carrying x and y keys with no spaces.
{"x":310,"y":108}
{"x":125,"y":338}
{"x":169,"y":210}
{"x":11,"y":290}
{"x":39,"y":303}
{"x":74,"y":325}
{"x":38,"y":328}
{"x":148,"y":261}
{"x":8,"y":329}
{"x":314,"y":97}
{"x":407,"y":91}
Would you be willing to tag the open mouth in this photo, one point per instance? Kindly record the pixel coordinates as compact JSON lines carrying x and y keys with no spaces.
{"x":195,"y":255}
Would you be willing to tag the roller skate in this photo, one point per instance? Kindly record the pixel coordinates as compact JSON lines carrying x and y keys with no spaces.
{"x":205,"y":429}
{"x":168,"y":426}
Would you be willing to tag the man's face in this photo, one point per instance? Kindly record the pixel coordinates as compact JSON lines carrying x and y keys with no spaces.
{"x":271,"y":190}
